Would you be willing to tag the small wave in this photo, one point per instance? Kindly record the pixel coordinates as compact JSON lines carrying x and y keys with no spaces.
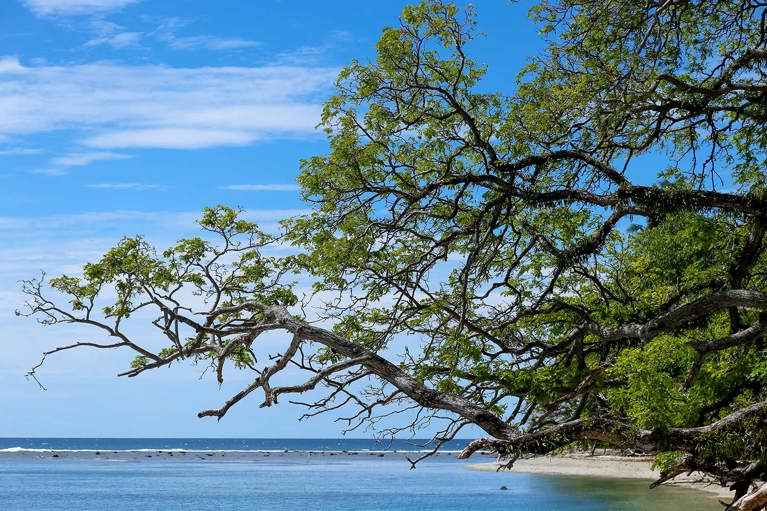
{"x":23,"y":449}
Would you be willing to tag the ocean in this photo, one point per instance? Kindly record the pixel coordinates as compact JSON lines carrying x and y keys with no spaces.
{"x":90,"y":474}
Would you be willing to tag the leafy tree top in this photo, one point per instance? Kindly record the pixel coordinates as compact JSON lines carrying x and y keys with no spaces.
{"x":578,"y":262}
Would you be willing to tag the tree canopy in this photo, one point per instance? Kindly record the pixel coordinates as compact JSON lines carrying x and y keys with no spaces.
{"x":577,"y":261}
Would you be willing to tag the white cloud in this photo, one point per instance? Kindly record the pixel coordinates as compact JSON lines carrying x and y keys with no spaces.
{"x":166,"y":32}
{"x":303,"y":54}
{"x":59,"y":164}
{"x":122,"y":40}
{"x":112,"y":106}
{"x":19,"y":151}
{"x":182,"y":220}
{"x":107,"y":33}
{"x":117,"y":41}
{"x":10,"y":64}
{"x":91,"y":219}
{"x":276,"y":187}
{"x":124,"y":186}
{"x":81,"y":159}
{"x":74,"y":7}
{"x":209,"y":42}
{"x":49,"y":171}
{"x":311,"y":54}
{"x":33,"y":254}
{"x":171,"y":138}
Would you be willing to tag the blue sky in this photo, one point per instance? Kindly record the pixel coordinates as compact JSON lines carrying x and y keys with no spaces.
{"x":128,"y":117}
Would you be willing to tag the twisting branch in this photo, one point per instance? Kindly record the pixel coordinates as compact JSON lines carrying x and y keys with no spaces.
{"x":32,"y":372}
{"x":545,"y":281}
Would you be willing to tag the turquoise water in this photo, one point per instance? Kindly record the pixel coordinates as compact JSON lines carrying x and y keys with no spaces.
{"x":264,"y":479}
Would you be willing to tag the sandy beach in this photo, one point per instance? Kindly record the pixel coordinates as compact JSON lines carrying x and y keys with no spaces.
{"x":620,"y":467}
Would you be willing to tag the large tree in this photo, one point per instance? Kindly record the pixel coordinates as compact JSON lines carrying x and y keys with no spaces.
{"x":578,"y":262}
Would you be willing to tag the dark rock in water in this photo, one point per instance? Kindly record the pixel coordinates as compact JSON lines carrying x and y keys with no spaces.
{"x":381,"y":455}
{"x":148,"y":455}
{"x":55,"y":456}
{"x":98,"y":453}
{"x":504,"y":488}
{"x":209,"y":454}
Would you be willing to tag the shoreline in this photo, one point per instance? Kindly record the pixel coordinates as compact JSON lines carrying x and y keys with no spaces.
{"x":605,"y":466}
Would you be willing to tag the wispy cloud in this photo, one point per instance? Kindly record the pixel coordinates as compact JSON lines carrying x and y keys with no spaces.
{"x":277,"y":187}
{"x":209,"y":42}
{"x":59,"y":165}
{"x":49,"y":171}
{"x":93,"y":220}
{"x":109,"y":106}
{"x":90,"y":219}
{"x":167,"y":33}
{"x":171,"y":138}
{"x":19,"y":151}
{"x":312,"y":54}
{"x":303,"y":54}
{"x":107,"y":33}
{"x":118,"y":41}
{"x":74,"y":7}
{"x":81,"y":159}
{"x":125,"y":186}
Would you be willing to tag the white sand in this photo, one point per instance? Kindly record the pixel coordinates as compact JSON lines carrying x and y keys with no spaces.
{"x":602,"y":466}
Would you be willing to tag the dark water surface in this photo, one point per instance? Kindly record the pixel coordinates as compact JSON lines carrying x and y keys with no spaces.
{"x":260,"y":478}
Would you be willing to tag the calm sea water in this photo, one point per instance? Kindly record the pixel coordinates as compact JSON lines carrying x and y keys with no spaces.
{"x":246,"y":474}
{"x":222,"y":444}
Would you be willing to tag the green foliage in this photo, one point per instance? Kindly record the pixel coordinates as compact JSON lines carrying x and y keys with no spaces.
{"x":222,"y":269}
{"x":652,"y":397}
{"x":748,"y":437}
{"x":666,"y":462}
{"x":419,"y":197}
{"x":139,"y":361}
{"x":502,"y":238}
